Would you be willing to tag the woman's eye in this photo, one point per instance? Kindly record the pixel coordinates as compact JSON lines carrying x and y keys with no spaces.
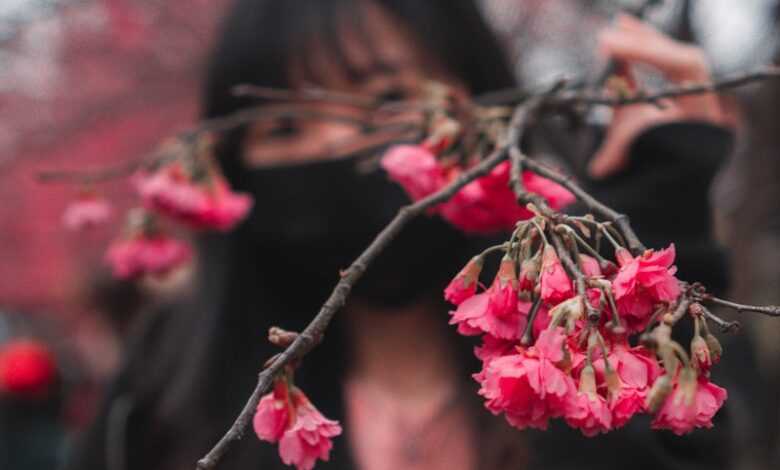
{"x":283,"y":128}
{"x":392,"y":94}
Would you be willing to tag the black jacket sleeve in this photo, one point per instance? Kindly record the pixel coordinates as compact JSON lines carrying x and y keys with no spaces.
{"x":665,"y":192}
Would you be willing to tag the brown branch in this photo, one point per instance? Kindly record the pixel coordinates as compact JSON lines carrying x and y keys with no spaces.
{"x":314,"y":332}
{"x":769,"y":310}
{"x":568,"y":99}
{"x":620,"y":220}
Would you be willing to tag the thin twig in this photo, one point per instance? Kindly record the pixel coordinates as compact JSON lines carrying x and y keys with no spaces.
{"x":769,"y":310}
{"x":567,"y":99}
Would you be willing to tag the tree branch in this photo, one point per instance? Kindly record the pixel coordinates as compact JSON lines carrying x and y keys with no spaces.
{"x":312,"y":335}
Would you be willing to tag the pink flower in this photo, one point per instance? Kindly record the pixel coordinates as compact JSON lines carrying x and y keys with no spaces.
{"x":272,"y":416}
{"x":636,"y":369}
{"x":474,"y":317}
{"x":486,"y":205}
{"x":310,"y":436}
{"x":27,"y":368}
{"x":502,"y":295}
{"x":700,"y":354}
{"x":589,"y":413}
{"x":415,"y":169}
{"x":642,"y":282}
{"x":146,"y":254}
{"x":86,"y":212}
{"x":209,"y":204}
{"x":528,"y":387}
{"x":286,"y":415}
{"x":492,"y":348}
{"x":464,"y":285}
{"x":556,"y":285}
{"x":681,"y":417}
{"x":589,"y":266}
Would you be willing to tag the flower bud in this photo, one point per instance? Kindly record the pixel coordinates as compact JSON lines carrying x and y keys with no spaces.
{"x":613,"y":382}
{"x":687,"y":384}
{"x":464,"y":284}
{"x":623,"y":256}
{"x":661,"y":389}
{"x":529,"y":272}
{"x":700,"y":354}
{"x":716,"y":350}
{"x":588,"y":380}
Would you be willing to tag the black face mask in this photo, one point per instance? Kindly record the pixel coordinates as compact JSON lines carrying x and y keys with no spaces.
{"x":312,"y":220}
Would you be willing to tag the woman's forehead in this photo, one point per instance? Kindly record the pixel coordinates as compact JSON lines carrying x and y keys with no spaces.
{"x":368,"y":45}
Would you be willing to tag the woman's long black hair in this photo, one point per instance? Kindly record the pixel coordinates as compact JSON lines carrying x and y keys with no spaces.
{"x":190,"y":367}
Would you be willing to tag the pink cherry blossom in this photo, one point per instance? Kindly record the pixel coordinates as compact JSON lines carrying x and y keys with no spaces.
{"x":209,"y":204}
{"x":86,"y":212}
{"x":589,"y":266}
{"x":474,"y":317}
{"x":272,"y":416}
{"x":681,"y":417}
{"x":528,"y":387}
{"x":502,"y":295}
{"x":642,"y":282}
{"x":486,"y":205}
{"x":589,"y":413}
{"x":146,"y":254}
{"x":636,"y":369}
{"x":490,"y":349}
{"x":415,"y":169}
{"x":310,"y":436}
{"x":555,"y":283}
{"x":464,"y":284}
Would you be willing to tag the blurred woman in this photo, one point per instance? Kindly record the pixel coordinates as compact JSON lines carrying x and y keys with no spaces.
{"x":389,"y":368}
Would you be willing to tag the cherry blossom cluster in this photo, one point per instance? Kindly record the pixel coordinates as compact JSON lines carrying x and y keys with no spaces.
{"x":579,"y":337}
{"x":187,"y":189}
{"x":485,"y":205}
{"x":287,"y":417}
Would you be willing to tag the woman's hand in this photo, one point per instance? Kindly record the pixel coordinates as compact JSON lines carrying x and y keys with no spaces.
{"x":629,"y":41}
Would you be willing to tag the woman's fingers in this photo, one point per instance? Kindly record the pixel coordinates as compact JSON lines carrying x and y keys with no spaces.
{"x":634,"y":41}
{"x":627,"y":123}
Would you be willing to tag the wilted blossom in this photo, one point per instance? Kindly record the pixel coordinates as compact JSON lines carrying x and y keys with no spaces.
{"x":464,"y":285}
{"x":555,"y":283}
{"x":288,"y":417}
{"x":27,"y":368}
{"x":528,"y":387}
{"x":87,"y":211}
{"x":643,"y":282}
{"x":681,"y":416}
{"x":140,"y":254}
{"x":205,"y":204}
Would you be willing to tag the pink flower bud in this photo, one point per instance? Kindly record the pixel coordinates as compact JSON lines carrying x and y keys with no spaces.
{"x":502,"y":295}
{"x":700,"y":354}
{"x":464,"y":284}
{"x":555,"y":283}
